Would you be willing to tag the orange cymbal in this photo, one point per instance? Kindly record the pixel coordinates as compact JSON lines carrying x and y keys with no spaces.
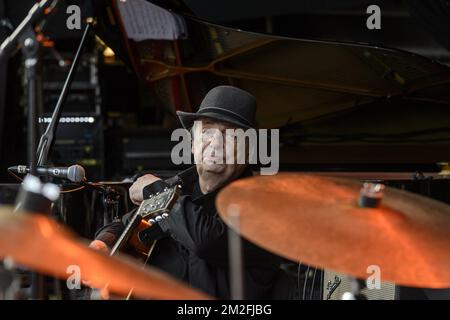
{"x":317,"y":220}
{"x":34,"y":241}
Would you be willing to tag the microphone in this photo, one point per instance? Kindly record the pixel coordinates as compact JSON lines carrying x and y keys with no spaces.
{"x":74,"y":173}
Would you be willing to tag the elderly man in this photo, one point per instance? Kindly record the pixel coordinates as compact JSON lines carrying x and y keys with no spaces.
{"x":192,"y":241}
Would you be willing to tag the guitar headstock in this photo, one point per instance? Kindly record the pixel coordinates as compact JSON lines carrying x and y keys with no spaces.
{"x":158,"y":206}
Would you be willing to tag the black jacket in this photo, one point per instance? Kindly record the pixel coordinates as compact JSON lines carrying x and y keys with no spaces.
{"x":193,"y":246}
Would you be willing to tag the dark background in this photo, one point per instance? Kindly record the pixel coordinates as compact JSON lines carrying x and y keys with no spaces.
{"x":122,"y":101}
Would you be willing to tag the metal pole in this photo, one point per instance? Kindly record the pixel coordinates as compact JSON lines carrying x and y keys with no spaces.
{"x":46,"y":141}
{"x":31,"y":60}
{"x":235,"y":254}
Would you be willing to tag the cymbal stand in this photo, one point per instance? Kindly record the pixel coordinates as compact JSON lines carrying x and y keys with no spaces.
{"x":111,"y":204}
{"x":355,"y":293}
{"x":236,"y":256}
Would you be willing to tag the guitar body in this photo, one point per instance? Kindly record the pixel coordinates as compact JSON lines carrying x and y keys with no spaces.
{"x":136,"y":247}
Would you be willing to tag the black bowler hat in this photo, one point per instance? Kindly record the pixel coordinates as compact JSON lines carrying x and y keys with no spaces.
{"x":224,"y":103}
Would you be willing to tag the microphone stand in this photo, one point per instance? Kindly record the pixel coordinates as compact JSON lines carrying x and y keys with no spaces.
{"x":46,"y":141}
{"x":38,"y":156}
{"x":30,"y":51}
{"x":25,"y":35}
{"x":35,"y":14}
{"x":111,"y":199}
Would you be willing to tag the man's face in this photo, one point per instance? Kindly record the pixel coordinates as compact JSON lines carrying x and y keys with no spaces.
{"x":210,"y":145}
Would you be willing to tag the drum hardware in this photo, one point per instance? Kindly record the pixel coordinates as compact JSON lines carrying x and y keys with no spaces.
{"x":9,"y":281}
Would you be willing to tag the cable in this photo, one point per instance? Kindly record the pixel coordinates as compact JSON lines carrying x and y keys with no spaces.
{"x":378,"y":135}
{"x":313,"y":282}
{"x":15,"y":176}
{"x":322,"y":275}
{"x":390,"y":141}
{"x":298,"y":279}
{"x":7,"y":24}
{"x":73,"y":190}
{"x":369,"y":137}
{"x":306,"y":281}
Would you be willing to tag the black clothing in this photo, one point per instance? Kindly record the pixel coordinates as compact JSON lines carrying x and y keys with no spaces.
{"x":193,"y":244}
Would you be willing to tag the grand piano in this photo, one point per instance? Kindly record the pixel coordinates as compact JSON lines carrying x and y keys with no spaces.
{"x":340,"y":106}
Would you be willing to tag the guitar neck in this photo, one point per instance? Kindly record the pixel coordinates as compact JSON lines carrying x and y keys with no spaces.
{"x":153,"y":209}
{"x":126,"y":234}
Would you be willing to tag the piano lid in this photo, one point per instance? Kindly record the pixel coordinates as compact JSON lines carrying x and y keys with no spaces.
{"x":293,"y":79}
{"x":337,"y":103}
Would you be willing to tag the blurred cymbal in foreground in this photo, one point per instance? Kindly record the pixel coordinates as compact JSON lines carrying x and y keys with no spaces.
{"x":36,"y":242}
{"x":317,"y":220}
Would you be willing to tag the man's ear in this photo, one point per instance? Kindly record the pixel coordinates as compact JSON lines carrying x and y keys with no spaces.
{"x":192,"y":142}
{"x":191,"y":131}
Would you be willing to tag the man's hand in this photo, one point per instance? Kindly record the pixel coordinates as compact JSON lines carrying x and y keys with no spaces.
{"x":100,"y":246}
{"x":136,"y":189}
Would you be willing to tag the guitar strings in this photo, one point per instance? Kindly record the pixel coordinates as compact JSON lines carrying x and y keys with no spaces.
{"x":143,"y":267}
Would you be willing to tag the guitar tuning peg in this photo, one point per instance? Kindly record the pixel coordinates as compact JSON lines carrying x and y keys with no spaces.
{"x":152,"y":221}
{"x":158,"y":218}
{"x":164,"y":215}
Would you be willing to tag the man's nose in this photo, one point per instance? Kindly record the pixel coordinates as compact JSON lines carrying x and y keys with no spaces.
{"x":217,"y":140}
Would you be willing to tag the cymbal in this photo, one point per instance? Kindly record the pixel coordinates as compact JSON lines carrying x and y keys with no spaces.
{"x":316,"y":220}
{"x":35,"y":241}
